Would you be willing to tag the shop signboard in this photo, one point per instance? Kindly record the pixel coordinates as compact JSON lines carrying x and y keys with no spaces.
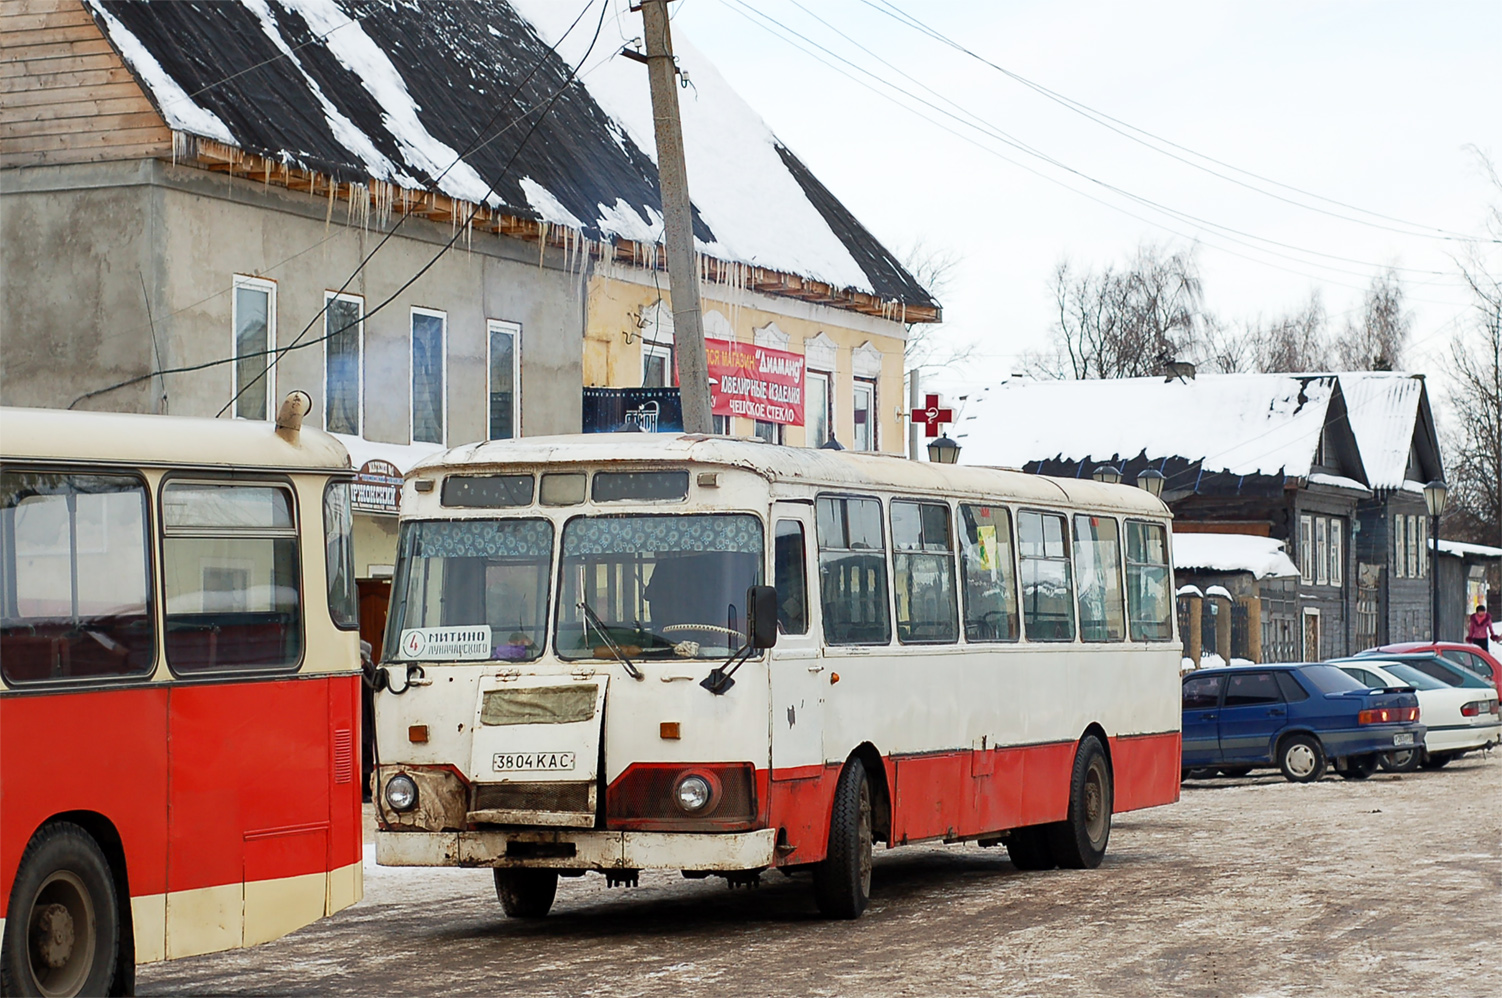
{"x":377,"y":488}
{"x":755,"y":381}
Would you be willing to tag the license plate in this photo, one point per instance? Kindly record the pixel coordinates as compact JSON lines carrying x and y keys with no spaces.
{"x":512,"y":762}
{"x":1405,"y":738}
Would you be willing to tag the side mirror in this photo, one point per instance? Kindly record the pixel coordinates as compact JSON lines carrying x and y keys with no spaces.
{"x":761,"y":616}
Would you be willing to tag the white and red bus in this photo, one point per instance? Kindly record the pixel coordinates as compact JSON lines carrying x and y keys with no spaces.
{"x":631,"y":651}
{"x":179,"y":690}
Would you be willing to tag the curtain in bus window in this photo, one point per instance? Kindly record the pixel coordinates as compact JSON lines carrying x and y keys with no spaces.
{"x":852,"y":572}
{"x":75,"y":577}
{"x":475,"y":573}
{"x":231,"y":577}
{"x":660,"y":586}
{"x":1097,"y":569}
{"x":1149,"y":601}
{"x":986,"y":567}
{"x":791,"y":578}
{"x":923,"y":574}
{"x":1047,"y":590}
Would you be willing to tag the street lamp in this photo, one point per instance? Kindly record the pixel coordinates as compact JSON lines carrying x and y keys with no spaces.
{"x":1435,"y":494}
{"x":1108,"y":473}
{"x":1151,"y":481}
{"x":944,"y":451}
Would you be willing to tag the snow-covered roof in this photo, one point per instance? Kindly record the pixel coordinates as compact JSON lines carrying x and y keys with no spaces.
{"x":1460,"y":549}
{"x":1263,"y":557}
{"x":404,"y":456}
{"x":1235,"y":425}
{"x":395,"y":90}
{"x":1383,"y":408}
{"x":1338,"y":482}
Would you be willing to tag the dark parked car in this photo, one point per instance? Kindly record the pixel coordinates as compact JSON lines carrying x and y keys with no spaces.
{"x":1298,"y":718}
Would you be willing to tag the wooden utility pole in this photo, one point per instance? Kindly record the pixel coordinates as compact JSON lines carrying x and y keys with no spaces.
{"x":678,"y":220}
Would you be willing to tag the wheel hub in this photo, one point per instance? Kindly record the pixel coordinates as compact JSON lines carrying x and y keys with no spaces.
{"x":1301,"y":760}
{"x":53,"y":935}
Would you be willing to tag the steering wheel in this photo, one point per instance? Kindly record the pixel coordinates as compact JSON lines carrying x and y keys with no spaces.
{"x":703,"y":627}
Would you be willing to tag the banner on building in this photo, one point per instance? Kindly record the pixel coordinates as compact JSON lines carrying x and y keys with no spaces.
{"x":757,"y":382}
{"x":650,"y":410}
{"x":377,"y":488}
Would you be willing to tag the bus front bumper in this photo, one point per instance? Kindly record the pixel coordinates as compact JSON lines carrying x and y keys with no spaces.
{"x":565,"y":849}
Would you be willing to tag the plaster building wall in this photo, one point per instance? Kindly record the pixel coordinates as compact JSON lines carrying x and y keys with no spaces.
{"x":80,"y":240}
{"x":619,"y":295}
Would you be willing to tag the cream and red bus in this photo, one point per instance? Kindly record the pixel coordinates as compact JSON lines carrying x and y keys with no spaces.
{"x":631,"y":651}
{"x":179,"y":690}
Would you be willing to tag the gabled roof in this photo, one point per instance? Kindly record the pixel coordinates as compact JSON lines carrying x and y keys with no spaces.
{"x":394,"y":90}
{"x":1389,"y":414}
{"x":1218,"y":433}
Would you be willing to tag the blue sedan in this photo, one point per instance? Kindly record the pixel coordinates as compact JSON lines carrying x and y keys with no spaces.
{"x":1299,"y":718}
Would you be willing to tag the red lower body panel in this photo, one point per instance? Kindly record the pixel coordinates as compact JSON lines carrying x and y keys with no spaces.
{"x":968,"y":793}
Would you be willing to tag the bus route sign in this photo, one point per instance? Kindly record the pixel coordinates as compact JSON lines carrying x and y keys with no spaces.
{"x":377,"y":488}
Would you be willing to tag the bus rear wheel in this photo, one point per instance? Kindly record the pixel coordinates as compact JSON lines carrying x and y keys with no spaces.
{"x":1079,"y":841}
{"x":526,"y":893}
{"x":63,"y":925}
{"x":1027,"y":847}
{"x":842,"y":880}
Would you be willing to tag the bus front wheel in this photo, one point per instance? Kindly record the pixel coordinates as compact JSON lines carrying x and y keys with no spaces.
{"x":842,"y":880}
{"x":526,"y":893}
{"x":63,"y":925}
{"x":1079,"y":841}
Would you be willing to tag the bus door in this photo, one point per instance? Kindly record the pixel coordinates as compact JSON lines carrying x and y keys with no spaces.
{"x":799,"y":675}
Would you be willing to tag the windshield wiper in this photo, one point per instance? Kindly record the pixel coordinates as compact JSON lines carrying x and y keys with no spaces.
{"x":615,"y":649}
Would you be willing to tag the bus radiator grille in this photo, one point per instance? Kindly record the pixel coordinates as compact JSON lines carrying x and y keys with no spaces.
{"x":570,"y":796}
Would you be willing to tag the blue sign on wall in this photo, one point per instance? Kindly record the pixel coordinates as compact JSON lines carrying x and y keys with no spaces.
{"x":651,"y":410}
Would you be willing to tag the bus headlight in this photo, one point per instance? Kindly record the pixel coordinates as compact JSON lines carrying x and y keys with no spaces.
{"x":693,"y":793}
{"x":401,"y":792}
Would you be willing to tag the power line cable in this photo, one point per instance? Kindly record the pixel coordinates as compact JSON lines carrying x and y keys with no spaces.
{"x":1126,"y":130}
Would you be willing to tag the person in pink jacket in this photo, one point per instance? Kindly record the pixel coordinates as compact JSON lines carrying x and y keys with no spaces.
{"x":1479,"y":626}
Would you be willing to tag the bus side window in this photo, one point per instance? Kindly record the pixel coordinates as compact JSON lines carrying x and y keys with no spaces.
{"x":1047,"y":589}
{"x":1097,"y":567}
{"x":75,"y":577}
{"x":923,"y":573}
{"x":1149,"y":590}
{"x":989,"y":579}
{"x":231,"y":577}
{"x":853,"y":572}
{"x":791,"y":575}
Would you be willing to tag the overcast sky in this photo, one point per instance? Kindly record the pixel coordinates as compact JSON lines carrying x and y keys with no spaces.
{"x":1371,"y":104}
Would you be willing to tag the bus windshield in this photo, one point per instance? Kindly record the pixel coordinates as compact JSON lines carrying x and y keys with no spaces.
{"x":662,"y":586}
{"x":474,"y":574}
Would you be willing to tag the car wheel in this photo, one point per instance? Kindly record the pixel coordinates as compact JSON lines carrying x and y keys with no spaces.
{"x":1404,"y":761}
{"x":842,"y":880}
{"x":526,"y":893}
{"x":1079,"y":841}
{"x":1301,"y":758}
{"x":1235,"y":772}
{"x":1028,"y":848}
{"x":1359,"y":767}
{"x":1436,"y":760}
{"x":63,"y":925}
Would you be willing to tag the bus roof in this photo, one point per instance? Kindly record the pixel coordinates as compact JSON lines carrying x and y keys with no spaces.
{"x":799,"y":465}
{"x":137,"y":439}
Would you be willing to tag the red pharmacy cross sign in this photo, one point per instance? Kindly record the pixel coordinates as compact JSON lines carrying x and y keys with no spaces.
{"x":931,"y":416}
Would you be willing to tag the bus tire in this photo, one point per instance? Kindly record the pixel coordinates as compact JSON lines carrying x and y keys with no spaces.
{"x":524,"y":892}
{"x":1027,"y":847}
{"x":62,"y":929}
{"x":842,"y":880}
{"x":1079,"y":841}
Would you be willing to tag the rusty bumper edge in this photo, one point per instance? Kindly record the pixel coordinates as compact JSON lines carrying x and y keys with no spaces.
{"x":591,"y":850}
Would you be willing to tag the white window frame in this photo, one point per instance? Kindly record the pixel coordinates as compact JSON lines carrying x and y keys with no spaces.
{"x":873,"y":415}
{"x":1306,"y":549}
{"x":1413,"y":547}
{"x":443,"y":402}
{"x":328,"y":298}
{"x":658,"y":338}
{"x":254,"y":284}
{"x":1321,"y":551}
{"x":1423,"y":546}
{"x":828,"y":402}
{"x":1310,"y":655}
{"x":514,"y":330}
{"x":1337,"y":552}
